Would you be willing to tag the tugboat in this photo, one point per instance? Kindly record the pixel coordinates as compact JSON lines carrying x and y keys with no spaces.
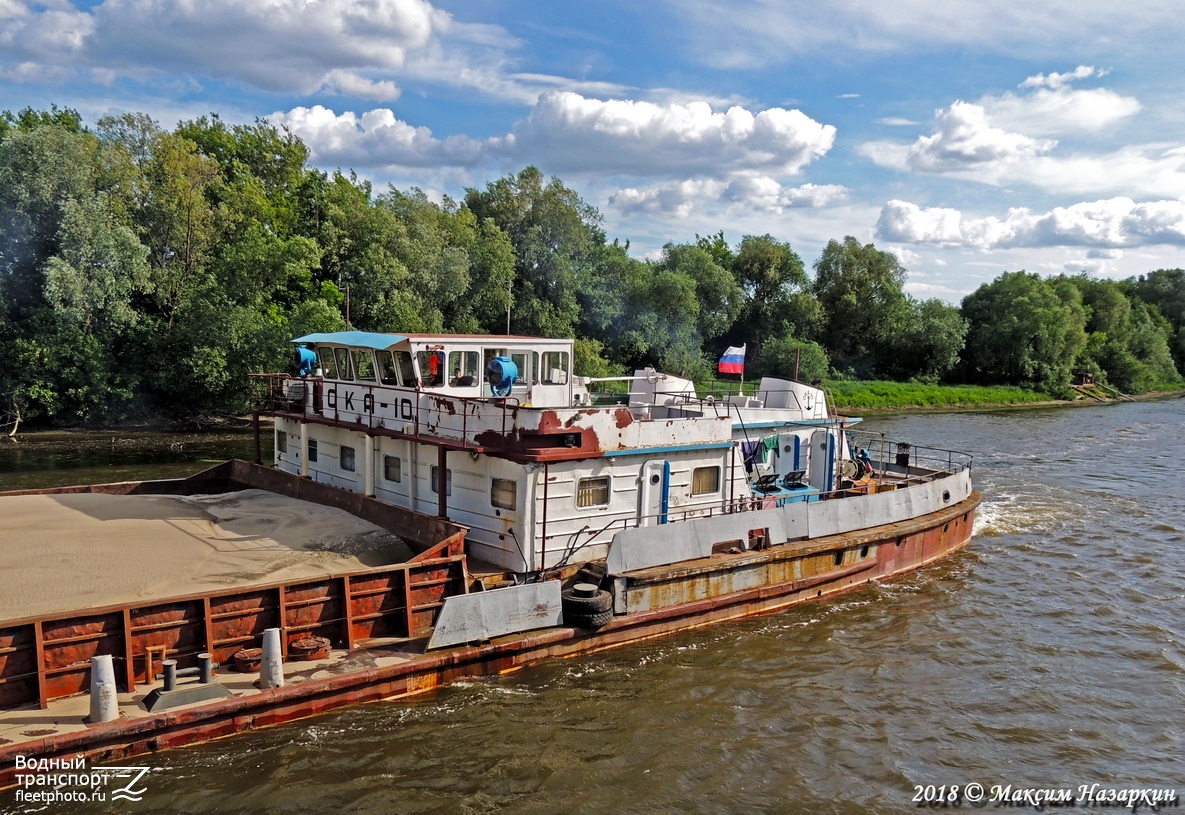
{"x":662,"y":500}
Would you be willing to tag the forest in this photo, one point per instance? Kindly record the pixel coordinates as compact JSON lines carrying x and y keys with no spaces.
{"x":145,"y":272}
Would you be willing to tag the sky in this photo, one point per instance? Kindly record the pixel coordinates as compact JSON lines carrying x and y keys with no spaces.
{"x":968,"y":138}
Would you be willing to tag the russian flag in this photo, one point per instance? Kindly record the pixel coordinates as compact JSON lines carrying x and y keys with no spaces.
{"x":733,"y":361}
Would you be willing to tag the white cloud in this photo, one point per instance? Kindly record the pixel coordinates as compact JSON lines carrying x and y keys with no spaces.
{"x":291,"y":46}
{"x":38,"y":39}
{"x":676,"y":199}
{"x":767,"y":194}
{"x":996,"y":141}
{"x":747,"y":192}
{"x":1054,"y":108}
{"x":1107,"y":224}
{"x":288,"y":46}
{"x":965,"y":139}
{"x":1056,"y":80}
{"x":1062,"y":111}
{"x":376,"y":139}
{"x":571,"y":132}
{"x":764,"y":33}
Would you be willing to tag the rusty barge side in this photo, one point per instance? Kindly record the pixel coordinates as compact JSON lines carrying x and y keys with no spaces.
{"x":693,"y":594}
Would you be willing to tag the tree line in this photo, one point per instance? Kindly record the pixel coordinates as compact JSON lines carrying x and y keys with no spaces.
{"x":145,"y":272}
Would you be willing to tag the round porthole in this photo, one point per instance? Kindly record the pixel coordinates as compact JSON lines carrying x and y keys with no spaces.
{"x":654,"y":479}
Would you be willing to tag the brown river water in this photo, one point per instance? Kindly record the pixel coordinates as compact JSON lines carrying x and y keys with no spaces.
{"x":1048,"y":655}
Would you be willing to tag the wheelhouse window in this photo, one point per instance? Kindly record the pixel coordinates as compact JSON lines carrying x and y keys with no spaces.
{"x":344,"y":370}
{"x":345,"y":458}
{"x":393,"y":468}
{"x":554,"y":369}
{"x":406,"y":372}
{"x":363,"y":365}
{"x":431,"y":364}
{"x":593,"y":492}
{"x":463,"y":369}
{"x":388,"y":372}
{"x":328,"y":362}
{"x":504,"y":493}
{"x":705,"y":481}
{"x":312,"y":449}
{"x":448,"y":480}
{"x":520,"y":362}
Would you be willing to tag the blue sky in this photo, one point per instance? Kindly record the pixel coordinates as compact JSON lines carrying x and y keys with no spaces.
{"x":970,"y":138}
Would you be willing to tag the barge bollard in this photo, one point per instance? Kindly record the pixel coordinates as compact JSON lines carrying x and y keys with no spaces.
{"x":104,"y":704}
{"x":205,"y":667}
{"x":271,"y":669}
{"x":169,"y":666}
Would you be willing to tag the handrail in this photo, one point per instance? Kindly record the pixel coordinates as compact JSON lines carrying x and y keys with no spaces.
{"x":274,"y":399}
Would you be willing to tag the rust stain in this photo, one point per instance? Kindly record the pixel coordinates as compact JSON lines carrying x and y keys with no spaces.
{"x":623,"y":418}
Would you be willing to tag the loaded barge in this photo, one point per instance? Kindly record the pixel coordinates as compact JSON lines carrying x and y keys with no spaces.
{"x":541,"y":519}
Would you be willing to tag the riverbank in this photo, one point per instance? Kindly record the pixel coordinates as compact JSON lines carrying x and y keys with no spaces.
{"x":873,"y":397}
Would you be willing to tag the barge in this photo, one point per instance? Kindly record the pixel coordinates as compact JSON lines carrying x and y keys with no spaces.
{"x":542,"y":520}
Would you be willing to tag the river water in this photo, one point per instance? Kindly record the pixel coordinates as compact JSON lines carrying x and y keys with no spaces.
{"x":1049,"y":654}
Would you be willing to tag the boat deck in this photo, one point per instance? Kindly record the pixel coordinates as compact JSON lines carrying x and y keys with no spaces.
{"x":69,"y":715}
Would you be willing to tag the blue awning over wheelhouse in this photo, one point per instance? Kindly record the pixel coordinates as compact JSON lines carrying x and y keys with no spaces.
{"x":357,"y":339}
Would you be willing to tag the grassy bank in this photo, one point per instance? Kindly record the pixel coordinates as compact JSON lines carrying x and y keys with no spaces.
{"x":875,"y":395}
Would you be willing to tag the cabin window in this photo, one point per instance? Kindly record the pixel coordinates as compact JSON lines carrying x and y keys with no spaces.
{"x":705,"y":481}
{"x":593,"y":492}
{"x":463,"y":369}
{"x":344,"y":370}
{"x":431,"y":368}
{"x":555,"y":367}
{"x":504,"y":493}
{"x":363,"y":365}
{"x":393,"y":468}
{"x":448,"y":480}
{"x":388,"y":373}
{"x":312,"y":449}
{"x":345,"y":458}
{"x":406,"y":372}
{"x":281,"y":441}
{"x":328,"y":362}
{"x":520,"y":362}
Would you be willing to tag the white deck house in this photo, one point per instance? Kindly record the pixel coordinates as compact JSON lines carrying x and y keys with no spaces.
{"x":498,"y":434}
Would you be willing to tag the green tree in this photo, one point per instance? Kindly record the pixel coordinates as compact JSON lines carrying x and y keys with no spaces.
{"x":437,"y":267}
{"x":782,"y":352}
{"x":1021,"y":332}
{"x":1127,"y":342}
{"x":360,"y":244}
{"x":859,"y":288}
{"x":555,"y":235}
{"x":718,"y":295}
{"x":929,"y":346}
{"x":492,"y":275}
{"x":770,"y":273}
{"x":1165,"y":289}
{"x":41,"y":169}
{"x":100,"y":265}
